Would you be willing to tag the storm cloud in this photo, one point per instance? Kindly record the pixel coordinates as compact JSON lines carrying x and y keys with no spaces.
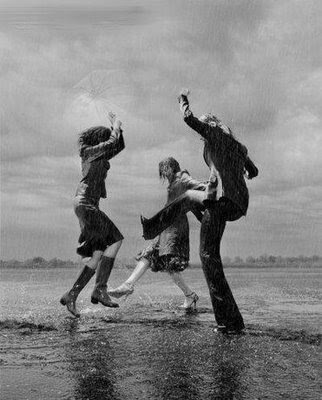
{"x":256,"y":64}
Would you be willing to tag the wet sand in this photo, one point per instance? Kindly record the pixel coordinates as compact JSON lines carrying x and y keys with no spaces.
{"x":149,"y":349}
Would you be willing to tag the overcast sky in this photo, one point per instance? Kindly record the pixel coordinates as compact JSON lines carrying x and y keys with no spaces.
{"x":255,"y":64}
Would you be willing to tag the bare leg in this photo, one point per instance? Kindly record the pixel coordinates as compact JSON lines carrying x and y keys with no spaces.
{"x":127,"y":287}
{"x":189,"y":201}
{"x":179,"y":281}
{"x":103,"y":272}
{"x":141,"y":267}
{"x":112,"y":250}
{"x":191,"y":297}
{"x":96,"y":258}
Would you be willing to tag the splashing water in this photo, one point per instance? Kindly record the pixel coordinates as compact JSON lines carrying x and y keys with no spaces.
{"x":149,"y":349}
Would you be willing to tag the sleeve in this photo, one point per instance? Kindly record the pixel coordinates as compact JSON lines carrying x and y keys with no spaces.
{"x":201,"y":127}
{"x":190,"y":183}
{"x":252,"y":170}
{"x":109,"y":149}
{"x":149,"y":249}
{"x":193,"y":184}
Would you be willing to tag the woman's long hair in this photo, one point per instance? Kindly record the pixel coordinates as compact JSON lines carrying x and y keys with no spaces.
{"x":212,"y":120}
{"x":250,"y":167}
{"x":167,"y":167}
{"x":93,"y":136}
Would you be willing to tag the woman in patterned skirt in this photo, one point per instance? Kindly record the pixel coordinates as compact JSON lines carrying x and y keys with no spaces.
{"x":170,"y":251}
{"x":100,"y":239}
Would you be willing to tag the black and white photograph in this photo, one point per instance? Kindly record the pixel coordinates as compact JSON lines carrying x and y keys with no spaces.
{"x":161,"y":199}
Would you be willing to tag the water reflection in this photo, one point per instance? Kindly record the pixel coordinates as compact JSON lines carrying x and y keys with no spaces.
{"x":91,"y":364}
{"x":185,"y":366}
{"x":174,"y":359}
{"x":227,"y":373}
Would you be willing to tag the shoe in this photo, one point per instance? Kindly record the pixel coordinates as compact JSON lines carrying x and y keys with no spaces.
{"x":228,"y":330}
{"x":123,"y":290}
{"x":103,"y":272}
{"x":69,"y":298}
{"x":190,"y":302}
{"x":100,"y":295}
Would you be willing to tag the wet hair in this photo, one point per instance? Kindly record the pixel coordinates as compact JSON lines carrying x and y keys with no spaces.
{"x":212,"y":120}
{"x":93,"y":136}
{"x":251,"y":169}
{"x":249,"y":166}
{"x":168,"y":165}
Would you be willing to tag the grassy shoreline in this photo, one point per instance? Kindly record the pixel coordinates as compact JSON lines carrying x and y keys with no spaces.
{"x":192,"y":266}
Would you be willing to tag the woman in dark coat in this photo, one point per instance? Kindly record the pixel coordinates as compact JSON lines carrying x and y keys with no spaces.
{"x":226,"y":199}
{"x":100,"y":239}
{"x":170,"y":251}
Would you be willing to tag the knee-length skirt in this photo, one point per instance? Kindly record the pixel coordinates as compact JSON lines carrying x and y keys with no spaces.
{"x":165,"y":262}
{"x":97,"y":230}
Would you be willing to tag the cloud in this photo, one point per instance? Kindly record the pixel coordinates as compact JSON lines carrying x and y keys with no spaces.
{"x":248,"y":62}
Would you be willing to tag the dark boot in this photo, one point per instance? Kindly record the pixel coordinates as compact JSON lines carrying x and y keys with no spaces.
{"x":103,"y":272}
{"x":69,"y":298}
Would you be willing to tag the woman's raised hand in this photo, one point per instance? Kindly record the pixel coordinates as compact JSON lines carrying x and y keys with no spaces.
{"x":116,"y":123}
{"x":111,"y":117}
{"x":184,"y":92}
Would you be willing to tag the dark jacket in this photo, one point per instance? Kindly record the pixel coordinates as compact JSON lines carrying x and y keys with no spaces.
{"x":175,"y":239}
{"x":95,"y":164}
{"x":225,"y":157}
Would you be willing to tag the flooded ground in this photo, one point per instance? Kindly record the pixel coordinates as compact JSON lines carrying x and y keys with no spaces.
{"x":149,"y":349}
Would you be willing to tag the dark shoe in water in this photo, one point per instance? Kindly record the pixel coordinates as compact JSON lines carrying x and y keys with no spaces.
{"x":100,"y":295}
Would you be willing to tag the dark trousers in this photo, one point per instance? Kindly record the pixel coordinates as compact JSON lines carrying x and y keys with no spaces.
{"x":225,"y":308}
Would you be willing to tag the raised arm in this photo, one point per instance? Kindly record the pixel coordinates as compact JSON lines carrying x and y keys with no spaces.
{"x":108,"y":149}
{"x":201,"y":127}
{"x":252,"y":170}
{"x":193,"y":184}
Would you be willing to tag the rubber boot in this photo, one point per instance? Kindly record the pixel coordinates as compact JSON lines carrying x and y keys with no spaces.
{"x":103,"y":272}
{"x":69,"y":298}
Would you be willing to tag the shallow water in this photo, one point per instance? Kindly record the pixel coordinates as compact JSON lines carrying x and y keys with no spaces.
{"x":149,"y":349}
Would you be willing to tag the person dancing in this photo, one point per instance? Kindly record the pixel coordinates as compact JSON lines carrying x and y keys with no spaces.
{"x":100,"y":240}
{"x":226,"y":199}
{"x":170,"y":251}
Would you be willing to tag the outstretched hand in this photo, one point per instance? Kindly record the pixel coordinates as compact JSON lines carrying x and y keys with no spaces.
{"x":116,"y":123}
{"x":111,"y":117}
{"x":184,"y":92}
